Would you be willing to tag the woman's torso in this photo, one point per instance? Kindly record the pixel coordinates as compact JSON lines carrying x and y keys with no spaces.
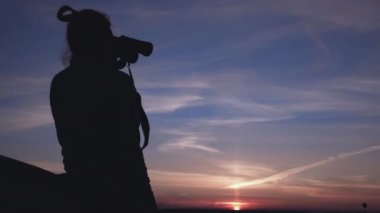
{"x":97,"y":121}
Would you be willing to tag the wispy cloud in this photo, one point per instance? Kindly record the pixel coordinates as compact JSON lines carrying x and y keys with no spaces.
{"x":188,"y":83}
{"x":290,"y":172}
{"x":33,"y":112}
{"x":244,"y":169}
{"x":190,"y":179}
{"x":355,"y":182}
{"x":369,"y":86}
{"x":246,"y":97}
{"x":318,"y":41}
{"x":341,"y":94}
{"x":237,"y":121}
{"x":24,"y":118}
{"x":340,"y":14}
{"x":11,"y":86}
{"x":188,"y":142}
{"x":162,"y":104}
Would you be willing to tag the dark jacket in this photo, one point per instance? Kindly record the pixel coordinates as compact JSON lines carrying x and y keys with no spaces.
{"x":97,"y":121}
{"x":96,"y":113}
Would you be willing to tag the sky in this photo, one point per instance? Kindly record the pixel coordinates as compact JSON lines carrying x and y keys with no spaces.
{"x":252,"y":104}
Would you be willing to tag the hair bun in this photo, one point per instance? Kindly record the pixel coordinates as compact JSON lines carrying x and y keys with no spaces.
{"x":68,"y":17}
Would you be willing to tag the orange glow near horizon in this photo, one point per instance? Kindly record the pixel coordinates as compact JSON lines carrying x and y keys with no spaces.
{"x":236,"y":206}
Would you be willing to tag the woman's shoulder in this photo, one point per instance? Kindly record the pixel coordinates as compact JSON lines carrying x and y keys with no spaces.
{"x":60,"y":76}
{"x":114,"y":77}
{"x":123,"y":76}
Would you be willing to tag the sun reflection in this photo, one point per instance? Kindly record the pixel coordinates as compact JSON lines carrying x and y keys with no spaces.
{"x":236,"y":208}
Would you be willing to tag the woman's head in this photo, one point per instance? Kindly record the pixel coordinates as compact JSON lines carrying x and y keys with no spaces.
{"x":89,"y":34}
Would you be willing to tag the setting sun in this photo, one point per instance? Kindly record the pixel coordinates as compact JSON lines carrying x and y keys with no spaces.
{"x":236,"y":206}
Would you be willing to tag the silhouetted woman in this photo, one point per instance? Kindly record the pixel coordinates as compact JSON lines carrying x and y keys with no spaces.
{"x":97,"y":116}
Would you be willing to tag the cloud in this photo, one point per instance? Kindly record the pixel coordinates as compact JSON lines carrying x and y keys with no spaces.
{"x":336,"y":95}
{"x":188,"y":142}
{"x":236,"y":121}
{"x":238,"y":100}
{"x":293,"y":171}
{"x":188,"y":83}
{"x":164,"y":104}
{"x":27,"y":90}
{"x":355,"y":182}
{"x":11,"y":86}
{"x":245,"y":169}
{"x":340,"y":14}
{"x":187,"y":11}
{"x":362,"y":85}
{"x":322,"y":46}
{"x":273,"y":101}
{"x":190,"y":179}
{"x":24,"y":118}
{"x":269,"y":102}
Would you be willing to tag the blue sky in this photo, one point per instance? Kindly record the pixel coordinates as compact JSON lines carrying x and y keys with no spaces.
{"x":252,"y":103}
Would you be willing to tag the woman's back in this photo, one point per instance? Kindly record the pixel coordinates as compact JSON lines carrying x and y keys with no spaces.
{"x":96,"y":115}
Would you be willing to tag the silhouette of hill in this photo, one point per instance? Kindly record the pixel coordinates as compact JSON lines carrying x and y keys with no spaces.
{"x":27,"y":188}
